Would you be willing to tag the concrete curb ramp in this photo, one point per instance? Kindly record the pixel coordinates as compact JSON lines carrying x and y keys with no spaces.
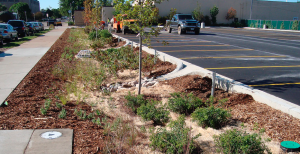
{"x":29,"y":141}
{"x":223,"y":82}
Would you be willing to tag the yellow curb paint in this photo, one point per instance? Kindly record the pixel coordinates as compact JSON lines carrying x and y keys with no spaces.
{"x":193,"y":46}
{"x":220,"y":68}
{"x":210,"y":50}
{"x":275,"y":84}
{"x":235,"y":57}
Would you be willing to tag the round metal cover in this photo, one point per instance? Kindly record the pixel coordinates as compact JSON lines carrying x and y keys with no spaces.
{"x":51,"y":135}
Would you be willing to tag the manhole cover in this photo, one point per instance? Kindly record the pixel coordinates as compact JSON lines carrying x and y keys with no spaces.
{"x":51,"y":135}
{"x":84,"y":54}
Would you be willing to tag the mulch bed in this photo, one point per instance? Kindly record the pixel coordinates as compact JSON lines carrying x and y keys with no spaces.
{"x":278,"y":125}
{"x":25,"y":102}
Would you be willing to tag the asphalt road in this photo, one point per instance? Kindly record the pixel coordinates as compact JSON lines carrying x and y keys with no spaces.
{"x":265,"y":60}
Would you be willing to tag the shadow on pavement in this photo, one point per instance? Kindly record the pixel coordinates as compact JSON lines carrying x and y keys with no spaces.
{"x":3,"y":54}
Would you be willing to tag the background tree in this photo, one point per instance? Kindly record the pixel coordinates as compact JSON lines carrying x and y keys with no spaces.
{"x":21,"y":8}
{"x":6,"y":15}
{"x":56,"y":13}
{"x":197,"y":14}
{"x":2,"y":7}
{"x":64,"y":6}
{"x":49,"y":12}
{"x":144,"y":14}
{"x":39,"y":16}
{"x":231,"y":13}
{"x":213,"y":13}
{"x":88,"y":11}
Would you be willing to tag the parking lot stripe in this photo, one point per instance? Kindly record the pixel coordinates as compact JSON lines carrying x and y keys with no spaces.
{"x":235,"y":57}
{"x":274,"y":84}
{"x":210,"y":50}
{"x":220,"y":68}
{"x":193,"y":46}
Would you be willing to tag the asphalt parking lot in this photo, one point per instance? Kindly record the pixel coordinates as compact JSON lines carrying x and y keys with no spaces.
{"x":263,"y":59}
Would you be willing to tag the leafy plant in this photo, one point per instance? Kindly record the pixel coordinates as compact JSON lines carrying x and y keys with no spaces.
{"x":236,"y":142}
{"x":62,"y":114}
{"x":295,"y":25}
{"x":58,"y":105}
{"x":101,"y":34}
{"x":197,"y":14}
{"x":184,"y":103}
{"x":230,"y":14}
{"x":176,"y":140}
{"x":211,"y":117}
{"x":135,"y":102}
{"x":149,"y":112}
{"x":46,"y":106}
{"x":70,"y":23}
{"x":213,"y":13}
{"x":282,"y":25}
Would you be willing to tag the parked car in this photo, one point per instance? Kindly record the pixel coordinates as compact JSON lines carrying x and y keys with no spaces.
{"x":1,"y":40}
{"x":32,"y":28}
{"x":58,"y":22}
{"x":183,"y":23}
{"x":49,"y":22}
{"x":20,"y":26}
{"x":41,"y":25}
{"x":8,"y":32}
{"x":37,"y":26}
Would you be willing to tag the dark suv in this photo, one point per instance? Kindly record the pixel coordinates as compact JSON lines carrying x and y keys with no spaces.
{"x":20,"y":26}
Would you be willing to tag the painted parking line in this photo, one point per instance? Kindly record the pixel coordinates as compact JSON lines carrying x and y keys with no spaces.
{"x":220,"y":68}
{"x":209,"y":50}
{"x":189,"y":42}
{"x":274,"y":84}
{"x":234,"y":57}
{"x":193,"y":46}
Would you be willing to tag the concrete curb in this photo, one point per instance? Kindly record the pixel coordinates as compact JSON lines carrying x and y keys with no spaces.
{"x":162,"y":56}
{"x":223,"y":82}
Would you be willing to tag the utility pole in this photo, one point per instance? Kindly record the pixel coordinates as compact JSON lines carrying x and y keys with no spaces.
{"x":25,"y":16}
{"x":33,"y":16}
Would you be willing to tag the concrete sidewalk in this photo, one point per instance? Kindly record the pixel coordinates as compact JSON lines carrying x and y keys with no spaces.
{"x":17,"y":62}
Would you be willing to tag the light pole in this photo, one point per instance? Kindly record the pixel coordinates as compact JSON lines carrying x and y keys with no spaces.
{"x":25,"y":16}
{"x":48,"y":19}
{"x":33,"y":17}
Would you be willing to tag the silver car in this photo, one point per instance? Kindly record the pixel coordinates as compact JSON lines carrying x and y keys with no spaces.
{"x":8,"y":32}
{"x":41,"y":25}
{"x":37,"y":26}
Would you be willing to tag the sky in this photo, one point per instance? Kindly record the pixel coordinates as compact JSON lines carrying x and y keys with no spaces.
{"x":54,"y":3}
{"x":44,"y":4}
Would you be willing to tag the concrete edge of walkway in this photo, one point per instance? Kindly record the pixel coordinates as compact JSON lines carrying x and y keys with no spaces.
{"x":223,"y":82}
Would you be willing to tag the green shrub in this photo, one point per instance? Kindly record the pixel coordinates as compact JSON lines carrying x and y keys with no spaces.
{"x":97,"y":44}
{"x":236,"y":142}
{"x":176,"y":140}
{"x":46,"y":106}
{"x":58,"y":105}
{"x":100,"y":34}
{"x":149,"y":112}
{"x":184,"y":103}
{"x":135,"y":102}
{"x":295,"y":25}
{"x":62,"y":114}
{"x":211,"y":117}
{"x":70,"y":23}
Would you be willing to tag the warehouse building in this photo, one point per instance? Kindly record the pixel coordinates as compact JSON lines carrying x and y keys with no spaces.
{"x":34,"y":5}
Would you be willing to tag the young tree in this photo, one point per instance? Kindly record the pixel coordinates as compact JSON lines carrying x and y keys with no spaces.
{"x":213,"y":13}
{"x":38,"y":16}
{"x":197,"y":14}
{"x":87,"y":11}
{"x":144,"y":13}
{"x":231,"y":13}
{"x":96,"y":14}
{"x":22,"y":9}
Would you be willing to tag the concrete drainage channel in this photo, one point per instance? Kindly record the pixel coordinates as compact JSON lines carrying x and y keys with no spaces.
{"x":185,"y":68}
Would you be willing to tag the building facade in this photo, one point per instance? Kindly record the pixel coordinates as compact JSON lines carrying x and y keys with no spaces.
{"x":34,"y":5}
{"x":261,"y":10}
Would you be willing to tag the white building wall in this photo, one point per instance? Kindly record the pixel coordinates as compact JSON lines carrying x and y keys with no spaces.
{"x":263,"y":10}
